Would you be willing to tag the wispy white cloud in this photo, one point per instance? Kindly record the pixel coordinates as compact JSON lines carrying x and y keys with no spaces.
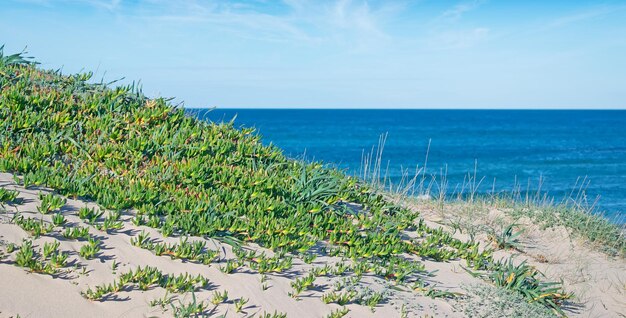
{"x":446,"y":34}
{"x":588,"y":14}
{"x":457,"y":11}
{"x":301,"y":20}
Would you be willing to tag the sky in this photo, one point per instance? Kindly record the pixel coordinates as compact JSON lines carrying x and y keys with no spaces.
{"x":336,"y":54}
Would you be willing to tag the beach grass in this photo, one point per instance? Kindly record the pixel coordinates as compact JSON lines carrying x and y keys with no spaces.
{"x":419,"y":187}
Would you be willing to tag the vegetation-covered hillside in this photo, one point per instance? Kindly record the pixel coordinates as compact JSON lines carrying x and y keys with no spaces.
{"x":187,"y":177}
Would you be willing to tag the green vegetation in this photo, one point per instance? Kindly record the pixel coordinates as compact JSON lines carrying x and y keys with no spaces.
{"x":146,"y":277}
{"x":239,"y":303}
{"x":301,"y":284}
{"x":194,"y":251}
{"x":91,"y":249}
{"x":341,"y":298}
{"x":275,"y":314}
{"x":50,"y":203}
{"x":218,"y":298}
{"x":111,"y":222}
{"x":262,"y":263}
{"x":191,"y":309}
{"x":58,"y":219}
{"x":338,"y":313}
{"x":34,"y":227}
{"x":88,"y":215}
{"x":7,"y":196}
{"x":46,"y":261}
{"x":507,"y":238}
{"x":188,"y":177}
{"x":523,"y":280}
{"x":76,"y":232}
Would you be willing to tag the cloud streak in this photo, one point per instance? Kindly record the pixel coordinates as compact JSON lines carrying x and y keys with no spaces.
{"x":585,"y":15}
{"x":455,"y":13}
{"x":306,"y":21}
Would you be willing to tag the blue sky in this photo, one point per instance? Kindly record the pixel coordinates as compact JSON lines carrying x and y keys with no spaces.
{"x":337,"y":54}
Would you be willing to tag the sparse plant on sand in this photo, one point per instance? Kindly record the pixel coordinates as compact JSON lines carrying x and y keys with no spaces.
{"x":91,"y":249}
{"x":219,"y":297}
{"x":341,"y":298}
{"x":231,"y":266}
{"x":58,"y":219}
{"x":275,"y":314}
{"x":90,"y":215}
{"x":76,"y":232}
{"x":191,"y":309}
{"x":239,"y":303}
{"x":523,"y":279}
{"x":50,"y":203}
{"x":508,"y":238}
{"x":7,"y":196}
{"x":46,"y":261}
{"x":301,"y":284}
{"x":32,"y":226}
{"x":338,"y":313}
{"x":145,"y":277}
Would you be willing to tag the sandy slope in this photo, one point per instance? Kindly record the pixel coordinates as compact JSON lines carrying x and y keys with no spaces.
{"x":597,"y":280}
{"x":38,"y":295}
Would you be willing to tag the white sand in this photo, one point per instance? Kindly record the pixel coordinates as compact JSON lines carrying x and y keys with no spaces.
{"x":39,"y":295}
{"x":598,"y":281}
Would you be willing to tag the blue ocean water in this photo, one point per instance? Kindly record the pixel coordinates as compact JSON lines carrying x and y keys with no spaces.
{"x":511,"y":148}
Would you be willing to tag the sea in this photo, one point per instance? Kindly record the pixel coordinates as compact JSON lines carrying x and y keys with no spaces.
{"x":567,"y":155}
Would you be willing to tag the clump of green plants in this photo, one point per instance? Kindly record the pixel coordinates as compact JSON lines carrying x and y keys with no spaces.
{"x":191,"y":309}
{"x":308,"y":258}
{"x":507,"y":238}
{"x":58,"y":219}
{"x":193,"y":251}
{"x":88,"y":215}
{"x":340,"y":268}
{"x":76,"y":232}
{"x":239,"y":303}
{"x":371,"y":298}
{"x":231,"y":266}
{"x":161,"y":302}
{"x":7,"y":196}
{"x":145,"y":277}
{"x":111,"y":222}
{"x":338,"y":313}
{"x":10,"y":248}
{"x":32,"y":226}
{"x":46,"y":261}
{"x":219,"y":297}
{"x":50,"y":203}
{"x":341,"y":298}
{"x":91,"y":249}
{"x":321,"y":271}
{"x":301,"y":284}
{"x":262,"y":263}
{"x":524,"y":280}
{"x":502,"y":303}
{"x":275,"y":314}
